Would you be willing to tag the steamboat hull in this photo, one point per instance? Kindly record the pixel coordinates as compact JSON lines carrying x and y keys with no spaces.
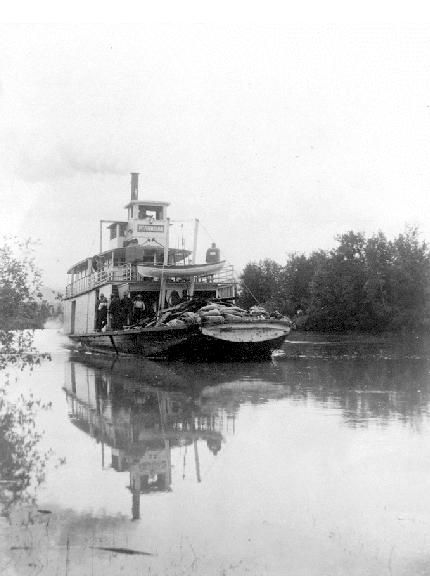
{"x":241,"y":341}
{"x":209,"y":348}
{"x":144,"y":342}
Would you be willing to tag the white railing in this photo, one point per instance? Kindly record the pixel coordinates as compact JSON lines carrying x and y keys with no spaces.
{"x":123,"y":273}
{"x":224,"y":276}
{"x":128,"y":272}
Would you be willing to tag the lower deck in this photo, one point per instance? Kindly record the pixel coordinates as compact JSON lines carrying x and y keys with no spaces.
{"x":80,"y":311}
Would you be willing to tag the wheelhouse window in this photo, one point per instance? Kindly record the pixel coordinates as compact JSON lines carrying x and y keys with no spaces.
{"x":154,"y":212}
{"x":113,"y":232}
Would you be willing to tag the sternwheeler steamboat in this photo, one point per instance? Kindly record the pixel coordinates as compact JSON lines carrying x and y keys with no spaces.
{"x":185,"y":309}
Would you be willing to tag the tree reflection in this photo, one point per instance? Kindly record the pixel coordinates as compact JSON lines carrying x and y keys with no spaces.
{"x":22,"y":464}
{"x":17,"y":350}
{"x":365,"y":390}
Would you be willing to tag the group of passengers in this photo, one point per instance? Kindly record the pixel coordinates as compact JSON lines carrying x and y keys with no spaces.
{"x":124,"y":312}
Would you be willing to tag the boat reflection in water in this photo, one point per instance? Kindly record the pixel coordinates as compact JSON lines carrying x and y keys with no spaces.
{"x":132,"y":409}
{"x":315,"y":463}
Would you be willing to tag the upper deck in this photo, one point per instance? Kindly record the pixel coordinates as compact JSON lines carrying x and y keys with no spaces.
{"x":126,"y":273}
{"x":141,"y":239}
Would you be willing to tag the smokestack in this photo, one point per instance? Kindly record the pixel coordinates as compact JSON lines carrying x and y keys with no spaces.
{"x":134,"y":185}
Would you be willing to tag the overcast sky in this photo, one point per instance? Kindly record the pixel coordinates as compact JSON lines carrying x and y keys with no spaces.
{"x":276,"y":137}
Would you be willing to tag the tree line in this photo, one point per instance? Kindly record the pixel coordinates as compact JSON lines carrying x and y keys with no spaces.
{"x":22,"y":462}
{"x":364,"y":283}
{"x":21,"y":303}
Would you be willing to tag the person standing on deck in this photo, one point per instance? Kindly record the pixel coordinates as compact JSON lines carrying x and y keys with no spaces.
{"x":174,"y":299}
{"x":213,"y":254}
{"x":102,"y":311}
{"x":115,"y":313}
{"x":127,"y":309}
{"x":138,"y":309}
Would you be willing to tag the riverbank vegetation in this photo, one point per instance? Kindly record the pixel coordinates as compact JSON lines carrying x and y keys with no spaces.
{"x":364,"y":283}
{"x":22,"y":305}
{"x":22,"y":464}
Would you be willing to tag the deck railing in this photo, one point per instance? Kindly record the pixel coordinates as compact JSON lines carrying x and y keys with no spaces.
{"x":128,"y":273}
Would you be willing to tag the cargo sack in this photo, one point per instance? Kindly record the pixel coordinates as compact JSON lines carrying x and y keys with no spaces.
{"x":208,"y":307}
{"x":233,"y":309}
{"x":233,"y":318}
{"x":176,"y":323}
{"x":213,"y":319}
{"x":214,"y":312}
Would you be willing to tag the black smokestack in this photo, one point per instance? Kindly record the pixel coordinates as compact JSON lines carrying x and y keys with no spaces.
{"x":134,"y":185}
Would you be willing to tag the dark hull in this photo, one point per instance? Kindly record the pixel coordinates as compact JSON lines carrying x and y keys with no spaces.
{"x":145,"y":342}
{"x":183,"y":342}
{"x":208,"y":348}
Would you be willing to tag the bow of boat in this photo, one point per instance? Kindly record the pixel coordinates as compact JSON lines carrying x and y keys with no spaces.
{"x":248,"y":332}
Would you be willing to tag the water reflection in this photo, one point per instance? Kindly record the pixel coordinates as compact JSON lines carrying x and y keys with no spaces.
{"x":315,"y":463}
{"x":22,"y":461}
{"x":374,"y":389}
{"x":139,"y":411}
{"x":140,"y":424}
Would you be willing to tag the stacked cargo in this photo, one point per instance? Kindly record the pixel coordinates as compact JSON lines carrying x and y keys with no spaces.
{"x":200,"y":312}
{"x":220,"y":313}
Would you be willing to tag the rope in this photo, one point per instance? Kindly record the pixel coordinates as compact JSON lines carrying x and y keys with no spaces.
{"x":252,"y":294}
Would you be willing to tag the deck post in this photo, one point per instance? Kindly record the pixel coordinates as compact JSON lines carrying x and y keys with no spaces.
{"x":193,"y":261}
{"x":165,"y":262}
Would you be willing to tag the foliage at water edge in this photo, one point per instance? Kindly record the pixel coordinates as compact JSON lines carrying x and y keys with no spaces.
{"x":364,"y":283}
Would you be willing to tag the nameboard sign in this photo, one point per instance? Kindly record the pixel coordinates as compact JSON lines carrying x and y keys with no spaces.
{"x":149,"y":228}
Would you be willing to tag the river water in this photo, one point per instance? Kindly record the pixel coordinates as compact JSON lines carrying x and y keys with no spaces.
{"x":317,"y":463}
